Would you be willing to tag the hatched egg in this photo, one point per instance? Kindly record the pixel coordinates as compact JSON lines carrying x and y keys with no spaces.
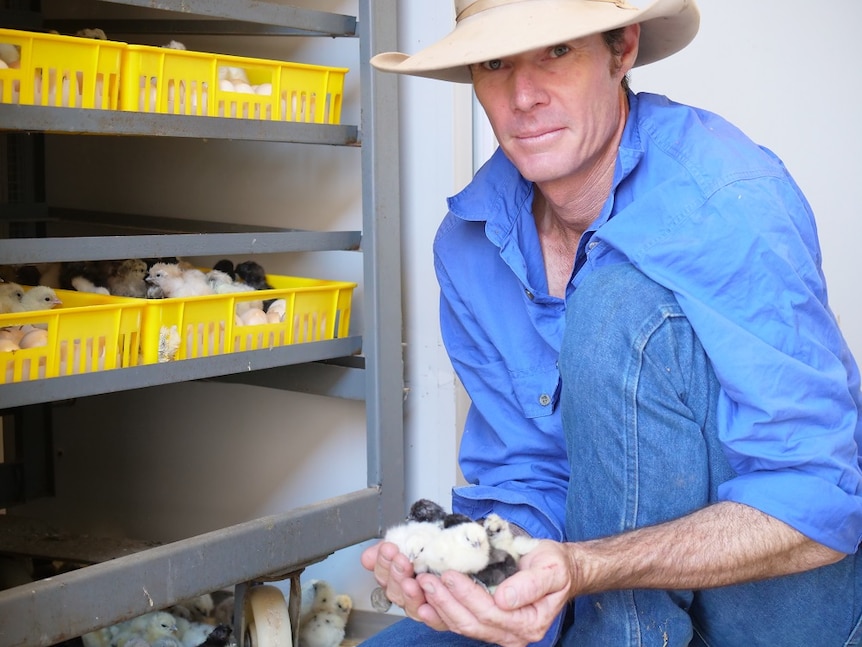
{"x":14,"y":334}
{"x":7,"y":345}
{"x":34,"y":339}
{"x":274,"y":317}
{"x":254,"y":317}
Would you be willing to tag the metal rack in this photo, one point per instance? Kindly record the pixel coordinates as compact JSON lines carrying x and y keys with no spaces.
{"x":367,"y":367}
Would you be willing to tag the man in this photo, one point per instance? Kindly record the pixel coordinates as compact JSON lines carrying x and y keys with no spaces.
{"x":631,"y":293}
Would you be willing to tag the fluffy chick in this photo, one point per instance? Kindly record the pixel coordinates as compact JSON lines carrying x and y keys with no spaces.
{"x":195,"y":634}
{"x":426,"y":510}
{"x":10,"y":297}
{"x":507,"y":548}
{"x":501,"y":537}
{"x":343,"y":606}
{"x":149,"y":626}
{"x":316,"y":595}
{"x":175,"y":281}
{"x":461,"y":545}
{"x":322,"y":629}
{"x":218,"y":637}
{"x":413,"y":537}
{"x":167,"y":641}
{"x":128,"y":279}
{"x":253,"y":274}
{"x":83,"y":284}
{"x":222,"y":283}
{"x":40,"y":297}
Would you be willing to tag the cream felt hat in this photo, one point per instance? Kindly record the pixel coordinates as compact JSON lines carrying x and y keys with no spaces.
{"x":489,"y":29}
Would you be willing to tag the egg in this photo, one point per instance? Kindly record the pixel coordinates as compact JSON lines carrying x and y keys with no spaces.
{"x":274,"y":317}
{"x":242,"y":86}
{"x":263,"y":89}
{"x":34,"y":339}
{"x":254,"y":317}
{"x":8,"y":345}
{"x":225,"y":85}
{"x":14,"y":334}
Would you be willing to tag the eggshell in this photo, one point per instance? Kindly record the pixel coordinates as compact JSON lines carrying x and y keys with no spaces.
{"x":254,"y":317}
{"x":7,"y":345}
{"x":34,"y":339}
{"x":13,"y":334}
{"x":274,"y":317}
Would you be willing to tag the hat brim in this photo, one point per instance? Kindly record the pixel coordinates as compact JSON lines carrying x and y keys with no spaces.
{"x":666,"y":27}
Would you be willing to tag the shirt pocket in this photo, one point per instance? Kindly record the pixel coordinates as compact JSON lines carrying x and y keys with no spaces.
{"x":538,"y":390}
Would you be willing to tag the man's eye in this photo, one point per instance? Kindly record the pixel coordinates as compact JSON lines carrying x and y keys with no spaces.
{"x":496,"y":64}
{"x":559,"y":50}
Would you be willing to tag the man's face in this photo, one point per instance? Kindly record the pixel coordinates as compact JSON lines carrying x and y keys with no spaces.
{"x":555,"y":111}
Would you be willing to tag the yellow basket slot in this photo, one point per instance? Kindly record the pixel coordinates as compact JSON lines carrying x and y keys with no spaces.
{"x":171,"y":81}
{"x":204,"y":326}
{"x":86,"y":333}
{"x":60,"y":71}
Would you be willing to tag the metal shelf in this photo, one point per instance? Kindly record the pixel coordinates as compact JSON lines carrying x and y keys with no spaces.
{"x":139,"y":377}
{"x":96,"y":248}
{"x":48,"y":611}
{"x":84,"y":121}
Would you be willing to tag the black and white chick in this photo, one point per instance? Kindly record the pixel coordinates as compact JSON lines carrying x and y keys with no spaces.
{"x":507,"y":548}
{"x":218,"y":637}
{"x":424,"y":522}
{"x":252,"y":273}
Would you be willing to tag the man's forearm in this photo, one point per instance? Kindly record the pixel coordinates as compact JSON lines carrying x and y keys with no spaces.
{"x":727,"y":543}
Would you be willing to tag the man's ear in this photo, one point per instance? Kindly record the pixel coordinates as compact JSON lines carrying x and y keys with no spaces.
{"x":629,"y":49}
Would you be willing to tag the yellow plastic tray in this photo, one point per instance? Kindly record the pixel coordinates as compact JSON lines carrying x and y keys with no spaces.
{"x":203,"y":326}
{"x":62,"y":71}
{"x":171,"y":81}
{"x":87,"y":333}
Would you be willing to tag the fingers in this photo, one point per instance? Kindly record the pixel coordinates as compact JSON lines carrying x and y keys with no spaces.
{"x":465,"y":607}
{"x":394,"y":573}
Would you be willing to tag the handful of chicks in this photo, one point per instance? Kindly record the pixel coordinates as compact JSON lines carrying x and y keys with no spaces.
{"x":435,"y":541}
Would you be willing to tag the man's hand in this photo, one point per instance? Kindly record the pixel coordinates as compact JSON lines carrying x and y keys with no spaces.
{"x":394,"y":573}
{"x":521,"y":611}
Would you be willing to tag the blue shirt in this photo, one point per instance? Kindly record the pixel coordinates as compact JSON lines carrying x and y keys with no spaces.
{"x":710,"y":215}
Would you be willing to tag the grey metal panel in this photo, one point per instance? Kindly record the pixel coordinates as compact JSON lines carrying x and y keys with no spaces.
{"x":382,"y":246}
{"x":95,"y":248}
{"x":196,"y":28}
{"x":139,"y":377}
{"x":47,"y":611}
{"x":267,"y":12}
{"x":50,"y":610}
{"x":86,"y":121}
{"x":317,"y":378}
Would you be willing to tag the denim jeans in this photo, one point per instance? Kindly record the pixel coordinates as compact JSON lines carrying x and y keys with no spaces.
{"x":638,"y":407}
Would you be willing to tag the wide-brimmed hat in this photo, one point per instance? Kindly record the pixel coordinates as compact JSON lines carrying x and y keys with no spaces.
{"x":489,"y":29}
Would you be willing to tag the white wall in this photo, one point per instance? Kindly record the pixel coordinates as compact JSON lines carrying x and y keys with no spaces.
{"x":783,"y":70}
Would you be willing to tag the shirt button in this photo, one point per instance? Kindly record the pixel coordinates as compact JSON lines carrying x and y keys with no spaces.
{"x":529,"y":295}
{"x":544,"y":399}
{"x":592,"y":245}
